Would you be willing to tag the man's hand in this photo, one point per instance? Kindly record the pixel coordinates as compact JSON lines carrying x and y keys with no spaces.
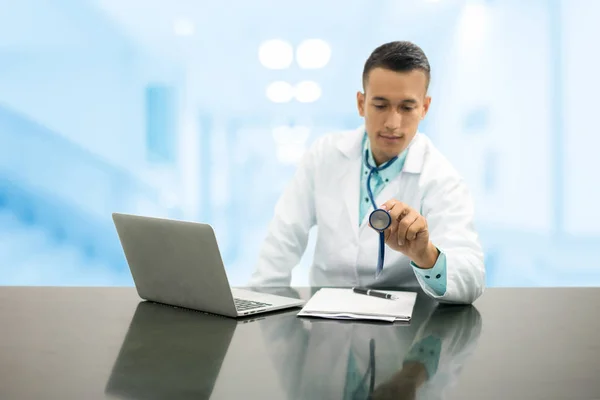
{"x":403,"y":384}
{"x":409,"y":234}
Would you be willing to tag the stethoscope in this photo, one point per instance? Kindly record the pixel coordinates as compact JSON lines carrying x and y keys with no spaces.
{"x":370,"y":371}
{"x":379,"y":219}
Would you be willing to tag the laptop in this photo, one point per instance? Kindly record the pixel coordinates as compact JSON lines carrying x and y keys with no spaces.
{"x":179,"y":263}
{"x":174,"y":353}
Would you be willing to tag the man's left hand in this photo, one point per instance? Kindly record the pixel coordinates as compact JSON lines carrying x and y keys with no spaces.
{"x":409,"y":234}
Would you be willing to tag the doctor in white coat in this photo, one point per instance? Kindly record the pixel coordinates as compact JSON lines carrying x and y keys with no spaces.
{"x":431,"y":242}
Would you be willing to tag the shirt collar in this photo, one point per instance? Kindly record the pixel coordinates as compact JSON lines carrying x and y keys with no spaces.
{"x":390,"y":172}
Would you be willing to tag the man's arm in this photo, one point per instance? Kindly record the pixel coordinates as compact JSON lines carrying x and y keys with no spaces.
{"x":435,"y":277}
{"x":288,"y":231}
{"x":441,"y":348}
{"x":449,"y":211}
{"x":440,"y":239}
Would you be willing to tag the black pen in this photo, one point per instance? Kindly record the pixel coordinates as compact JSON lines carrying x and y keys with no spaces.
{"x":374,"y":293}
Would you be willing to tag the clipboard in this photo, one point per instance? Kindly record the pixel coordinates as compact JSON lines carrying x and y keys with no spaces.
{"x":345,"y":304}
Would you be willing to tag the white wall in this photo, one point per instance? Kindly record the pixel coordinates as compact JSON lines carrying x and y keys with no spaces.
{"x":78,"y":75}
{"x":89,"y":99}
{"x":581,"y":62}
{"x":494,"y":66}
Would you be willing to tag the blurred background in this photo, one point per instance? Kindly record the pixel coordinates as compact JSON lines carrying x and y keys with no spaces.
{"x":199,"y":110}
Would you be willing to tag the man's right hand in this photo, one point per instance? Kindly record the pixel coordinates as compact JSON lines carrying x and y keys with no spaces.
{"x":403,"y":385}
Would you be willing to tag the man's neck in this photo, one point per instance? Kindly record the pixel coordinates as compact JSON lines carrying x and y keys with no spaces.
{"x":380,"y":160}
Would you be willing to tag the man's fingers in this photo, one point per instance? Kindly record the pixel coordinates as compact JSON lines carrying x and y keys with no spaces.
{"x":396,"y":211}
{"x":387,"y":234}
{"x":402,"y":217}
{"x":403,"y":225}
{"x":419,"y":225}
{"x":390,"y":233}
{"x":406,"y":224}
{"x":392,"y":203}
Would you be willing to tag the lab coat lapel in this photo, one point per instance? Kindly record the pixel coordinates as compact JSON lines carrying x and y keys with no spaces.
{"x":351,"y":192}
{"x":349,"y":177}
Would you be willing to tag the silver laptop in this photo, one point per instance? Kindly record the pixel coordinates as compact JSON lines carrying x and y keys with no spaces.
{"x":179,"y":263}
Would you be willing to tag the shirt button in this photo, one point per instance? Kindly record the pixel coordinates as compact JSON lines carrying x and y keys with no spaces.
{"x":427,"y":276}
{"x":366,"y":199}
{"x":387,"y":180}
{"x":438,"y":276}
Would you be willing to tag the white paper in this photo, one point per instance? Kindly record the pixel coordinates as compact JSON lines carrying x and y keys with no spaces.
{"x":345,"y":304}
{"x":348,"y":316}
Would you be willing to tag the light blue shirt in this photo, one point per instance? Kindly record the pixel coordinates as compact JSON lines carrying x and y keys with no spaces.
{"x":436,"y":276}
{"x":426,"y":351}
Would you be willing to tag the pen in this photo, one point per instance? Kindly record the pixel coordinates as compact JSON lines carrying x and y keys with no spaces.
{"x":374,"y":293}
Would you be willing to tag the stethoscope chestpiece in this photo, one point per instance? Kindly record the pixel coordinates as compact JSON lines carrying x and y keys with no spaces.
{"x":380,"y":220}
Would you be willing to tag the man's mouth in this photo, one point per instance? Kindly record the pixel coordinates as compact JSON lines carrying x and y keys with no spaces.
{"x":390,"y":136}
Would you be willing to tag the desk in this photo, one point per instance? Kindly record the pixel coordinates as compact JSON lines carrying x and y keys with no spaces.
{"x":97,"y":343}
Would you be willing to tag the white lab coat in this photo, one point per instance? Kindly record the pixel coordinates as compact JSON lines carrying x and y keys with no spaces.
{"x":325,"y":192}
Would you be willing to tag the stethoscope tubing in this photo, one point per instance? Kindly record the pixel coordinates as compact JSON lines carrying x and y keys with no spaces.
{"x":377,"y":211}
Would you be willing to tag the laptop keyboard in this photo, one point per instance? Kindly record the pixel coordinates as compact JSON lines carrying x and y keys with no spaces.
{"x":243,"y":305}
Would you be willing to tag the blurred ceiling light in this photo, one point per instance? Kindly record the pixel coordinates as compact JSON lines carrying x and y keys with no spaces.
{"x":280,"y":92}
{"x":276,"y":54}
{"x":308,"y":91}
{"x":290,"y":154}
{"x":183,"y":27}
{"x":281,"y":134}
{"x":474,"y":24}
{"x":313,"y":53}
{"x":301,"y":134}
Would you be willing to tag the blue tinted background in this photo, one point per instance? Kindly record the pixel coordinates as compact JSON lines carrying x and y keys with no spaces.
{"x":160,"y":107}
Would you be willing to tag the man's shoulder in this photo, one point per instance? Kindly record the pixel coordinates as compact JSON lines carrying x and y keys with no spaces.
{"x":433,"y":157}
{"x":336,"y":142}
{"x":437,"y":170}
{"x":334,"y":139}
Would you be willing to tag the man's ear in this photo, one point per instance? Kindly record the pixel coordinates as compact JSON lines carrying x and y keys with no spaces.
{"x":360,"y":103}
{"x":426,"y":105}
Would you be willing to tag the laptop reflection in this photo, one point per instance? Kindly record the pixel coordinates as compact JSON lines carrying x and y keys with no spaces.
{"x":171,"y":353}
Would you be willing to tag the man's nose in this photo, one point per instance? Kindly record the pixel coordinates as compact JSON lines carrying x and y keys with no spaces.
{"x":393,"y":121}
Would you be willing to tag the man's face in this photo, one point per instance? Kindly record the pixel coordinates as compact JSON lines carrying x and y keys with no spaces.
{"x":393,"y":105}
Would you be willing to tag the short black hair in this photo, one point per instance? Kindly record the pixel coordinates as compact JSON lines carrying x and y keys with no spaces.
{"x":398,"y":56}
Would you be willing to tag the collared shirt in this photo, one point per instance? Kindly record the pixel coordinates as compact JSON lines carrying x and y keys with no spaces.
{"x":436,"y":276}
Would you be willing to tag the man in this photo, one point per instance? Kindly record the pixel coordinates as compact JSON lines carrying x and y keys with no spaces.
{"x":431,"y":241}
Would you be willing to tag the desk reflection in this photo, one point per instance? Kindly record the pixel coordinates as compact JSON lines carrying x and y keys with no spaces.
{"x":172,"y":353}
{"x":348,"y":360}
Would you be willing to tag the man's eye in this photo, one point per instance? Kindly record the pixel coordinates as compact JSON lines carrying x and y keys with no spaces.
{"x":408,"y":108}
{"x":379,"y":107}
